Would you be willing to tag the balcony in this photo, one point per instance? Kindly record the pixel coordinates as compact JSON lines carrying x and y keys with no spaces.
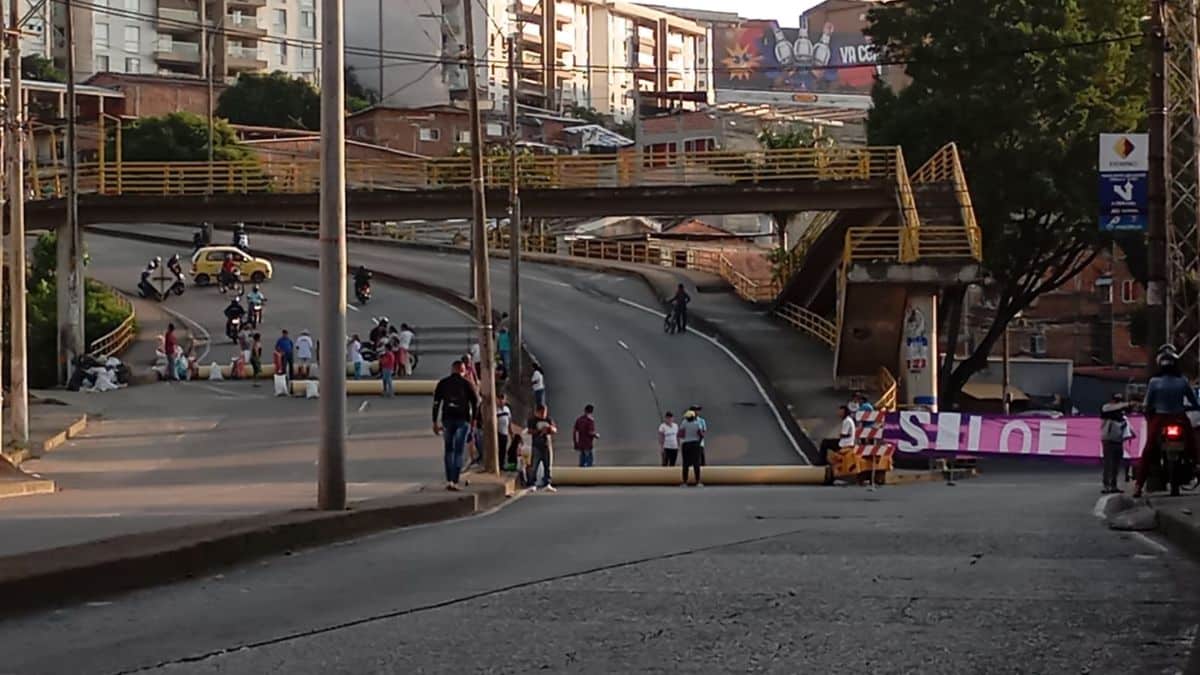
{"x":244,"y":24}
{"x":178,"y":53}
{"x":531,"y":33}
{"x":242,"y":58}
{"x":564,"y":40}
{"x":178,"y":21}
{"x":247,"y":5}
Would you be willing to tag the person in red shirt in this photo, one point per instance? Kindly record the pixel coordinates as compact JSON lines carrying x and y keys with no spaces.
{"x":387,"y":369}
{"x":585,"y":436}
{"x":169,"y":344}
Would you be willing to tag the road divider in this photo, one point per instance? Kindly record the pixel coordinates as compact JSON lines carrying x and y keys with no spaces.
{"x":375,"y":387}
{"x":669,"y":475}
{"x":268,"y":371}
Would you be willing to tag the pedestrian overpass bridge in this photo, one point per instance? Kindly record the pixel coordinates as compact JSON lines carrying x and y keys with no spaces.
{"x":889,"y":235}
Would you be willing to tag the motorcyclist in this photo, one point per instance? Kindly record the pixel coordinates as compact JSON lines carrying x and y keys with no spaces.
{"x":679,"y":305}
{"x":379,"y":331}
{"x":1167,"y":393}
{"x":362,"y":278}
{"x":255,"y":300}
{"x":229,"y":271}
{"x":240,"y":238}
{"x":147,"y":288}
{"x":233,"y":311}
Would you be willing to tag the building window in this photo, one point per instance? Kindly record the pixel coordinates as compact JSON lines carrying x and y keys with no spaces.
{"x":494,"y":129}
{"x":101,"y":36}
{"x":1128,"y":292}
{"x":281,"y":50}
{"x":1103,"y":289}
{"x":132,"y":5}
{"x":133,"y":64}
{"x":463,"y":137}
{"x":430,"y":135}
{"x":102,"y":64}
{"x":1037,"y":344}
{"x":280,"y":19}
{"x":133,"y":39}
{"x":309,"y":21}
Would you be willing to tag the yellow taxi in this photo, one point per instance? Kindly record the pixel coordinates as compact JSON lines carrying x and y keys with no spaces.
{"x":206,"y":265}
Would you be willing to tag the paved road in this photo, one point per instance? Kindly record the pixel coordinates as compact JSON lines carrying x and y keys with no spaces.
{"x":1007,"y":575}
{"x":597,"y":350}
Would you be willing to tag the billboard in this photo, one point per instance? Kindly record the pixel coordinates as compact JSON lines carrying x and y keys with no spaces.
{"x":763,"y":56}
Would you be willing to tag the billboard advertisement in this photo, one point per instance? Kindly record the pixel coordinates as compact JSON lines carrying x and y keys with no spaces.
{"x":763,"y":56}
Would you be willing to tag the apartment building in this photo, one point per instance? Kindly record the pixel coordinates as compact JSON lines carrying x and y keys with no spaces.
{"x":165,"y":37}
{"x":589,"y":53}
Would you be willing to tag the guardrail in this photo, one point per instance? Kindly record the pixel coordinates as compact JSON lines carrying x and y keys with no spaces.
{"x":118,"y":339}
{"x":807,"y":321}
{"x":945,"y":166}
{"x":631,"y":169}
{"x":889,"y":390}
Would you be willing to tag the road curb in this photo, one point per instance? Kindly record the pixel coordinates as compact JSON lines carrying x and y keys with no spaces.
{"x":1180,"y":529}
{"x":36,"y":449}
{"x":58,"y":576}
{"x":17,"y":483}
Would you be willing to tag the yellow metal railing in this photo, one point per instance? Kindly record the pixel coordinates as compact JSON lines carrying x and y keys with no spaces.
{"x":807,"y":321}
{"x":118,"y":339}
{"x":910,"y":248}
{"x":945,"y":166}
{"x":268,"y":174}
{"x":889,"y":391}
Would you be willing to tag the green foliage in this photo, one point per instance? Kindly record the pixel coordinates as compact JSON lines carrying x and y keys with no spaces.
{"x":358,"y":96}
{"x":177,"y":137}
{"x":38,"y":67}
{"x":794,"y":136}
{"x":271,"y":100}
{"x":1010,"y":83}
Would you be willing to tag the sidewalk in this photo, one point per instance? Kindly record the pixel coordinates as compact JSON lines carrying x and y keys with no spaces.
{"x":152,"y":320}
{"x":1179,"y":521}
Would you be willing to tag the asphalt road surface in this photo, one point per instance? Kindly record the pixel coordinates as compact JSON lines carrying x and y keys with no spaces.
{"x":1008,"y":575}
{"x":594,"y":348}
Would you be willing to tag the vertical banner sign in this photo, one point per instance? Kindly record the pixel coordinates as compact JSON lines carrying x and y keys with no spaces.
{"x":1124,"y":172}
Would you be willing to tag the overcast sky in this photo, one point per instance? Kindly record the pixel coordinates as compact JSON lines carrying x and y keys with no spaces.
{"x":785,"y":12}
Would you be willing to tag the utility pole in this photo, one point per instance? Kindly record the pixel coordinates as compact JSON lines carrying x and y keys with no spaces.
{"x":1004,"y":387}
{"x":19,"y":398}
{"x":479,"y":254}
{"x":206,"y":68}
{"x":514,"y":221}
{"x":1156,"y":235}
{"x":331,"y":483}
{"x":380,"y":52}
{"x":69,"y":249}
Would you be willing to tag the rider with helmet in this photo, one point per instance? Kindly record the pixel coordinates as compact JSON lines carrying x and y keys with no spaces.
{"x":233,"y":311}
{"x":255,"y":300}
{"x":1167,"y":393}
{"x":147,"y":289}
{"x":229,"y":271}
{"x":240,"y":238}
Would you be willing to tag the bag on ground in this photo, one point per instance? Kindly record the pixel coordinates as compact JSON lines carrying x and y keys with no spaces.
{"x":214,"y":372}
{"x":281,"y":386}
{"x":312,"y":389}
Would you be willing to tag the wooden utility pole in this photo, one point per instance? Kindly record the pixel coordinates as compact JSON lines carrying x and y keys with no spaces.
{"x":514,"y":223}
{"x":19,"y":398}
{"x":479,"y":254}
{"x":69,"y":250}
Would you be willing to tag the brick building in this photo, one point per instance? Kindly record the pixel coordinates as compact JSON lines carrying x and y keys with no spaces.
{"x":434,"y":131}
{"x":154,"y":95}
{"x":1087,"y":320}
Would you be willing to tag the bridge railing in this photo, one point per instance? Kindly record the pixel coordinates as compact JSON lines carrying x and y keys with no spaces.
{"x":118,"y":339}
{"x":631,"y":169}
{"x":809,"y":322}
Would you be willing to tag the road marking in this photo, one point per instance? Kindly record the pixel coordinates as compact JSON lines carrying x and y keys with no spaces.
{"x":642,"y":364}
{"x":623,"y":345}
{"x":1149,"y":542}
{"x":194,"y":324}
{"x":363,"y":406}
{"x":546,"y":281}
{"x":309,"y":291}
{"x":749,"y":373}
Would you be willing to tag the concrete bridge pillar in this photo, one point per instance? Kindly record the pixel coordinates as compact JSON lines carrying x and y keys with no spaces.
{"x":918,"y":363}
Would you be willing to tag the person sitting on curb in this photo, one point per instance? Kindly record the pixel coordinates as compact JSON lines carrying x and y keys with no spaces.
{"x":847,"y":434}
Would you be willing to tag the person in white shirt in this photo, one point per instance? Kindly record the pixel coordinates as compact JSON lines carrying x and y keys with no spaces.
{"x":404,"y":340}
{"x":847,"y":435}
{"x":538,"y":380}
{"x":503,"y":426}
{"x":304,"y":353}
{"x":476,"y":359}
{"x":354,"y":355}
{"x":668,"y":439}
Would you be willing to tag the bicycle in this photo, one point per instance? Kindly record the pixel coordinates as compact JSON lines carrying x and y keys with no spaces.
{"x":671,"y":323}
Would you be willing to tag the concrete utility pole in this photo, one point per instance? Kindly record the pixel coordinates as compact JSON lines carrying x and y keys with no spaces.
{"x":69,"y":250}
{"x":514,"y":221}
{"x":331,"y":481}
{"x":1156,"y":234}
{"x":479,"y":254}
{"x":19,"y":398}
{"x":206,"y":68}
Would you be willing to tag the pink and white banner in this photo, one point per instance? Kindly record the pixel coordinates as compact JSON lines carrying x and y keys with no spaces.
{"x":915,"y":431}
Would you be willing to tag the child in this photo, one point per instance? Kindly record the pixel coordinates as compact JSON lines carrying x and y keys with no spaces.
{"x":518,"y":449}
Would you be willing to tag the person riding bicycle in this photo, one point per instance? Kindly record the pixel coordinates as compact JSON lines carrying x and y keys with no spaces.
{"x":229,"y":271}
{"x":1167,"y":393}
{"x":679,"y":305}
{"x":255,"y":300}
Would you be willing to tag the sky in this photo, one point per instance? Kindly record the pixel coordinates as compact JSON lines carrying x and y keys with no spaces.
{"x":785,"y":12}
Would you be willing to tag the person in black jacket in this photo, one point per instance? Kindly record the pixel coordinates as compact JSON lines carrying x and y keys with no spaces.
{"x":458,"y":402}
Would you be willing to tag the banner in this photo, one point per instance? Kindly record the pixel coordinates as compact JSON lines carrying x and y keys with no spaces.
{"x":763,"y":56}
{"x":914,"y":431}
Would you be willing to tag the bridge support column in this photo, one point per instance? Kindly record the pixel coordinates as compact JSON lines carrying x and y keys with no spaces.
{"x":918,"y":350}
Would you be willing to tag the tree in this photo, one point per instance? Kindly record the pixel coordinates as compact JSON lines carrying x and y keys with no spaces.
{"x":1023,"y":87}
{"x":177,"y":137}
{"x":274,"y":100}
{"x":38,"y":67}
{"x":358,"y":97}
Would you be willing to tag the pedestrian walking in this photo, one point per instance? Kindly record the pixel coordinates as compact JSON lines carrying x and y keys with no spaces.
{"x":286,"y":349}
{"x":170,"y":342}
{"x":691,"y":434}
{"x":469,"y":371}
{"x":354,"y":355}
{"x":404,"y":340}
{"x":304,"y":353}
{"x":455,"y":399}
{"x":503,"y":430}
{"x":585,"y":436}
{"x":256,"y":357}
{"x":504,"y":346}
{"x":1114,"y":427}
{"x":538,"y":381}
{"x":387,"y":369}
{"x":668,"y":439}
{"x":540,"y":429}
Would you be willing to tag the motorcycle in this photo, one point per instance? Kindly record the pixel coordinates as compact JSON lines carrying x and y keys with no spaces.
{"x":1175,"y":468}
{"x":147,"y":289}
{"x":362,"y":292}
{"x":231,"y":282}
{"x":233,"y":326}
{"x":256,"y":314}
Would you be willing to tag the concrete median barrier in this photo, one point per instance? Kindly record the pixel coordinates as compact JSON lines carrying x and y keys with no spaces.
{"x":375,"y":387}
{"x":670,"y":475}
{"x":268,"y":370}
